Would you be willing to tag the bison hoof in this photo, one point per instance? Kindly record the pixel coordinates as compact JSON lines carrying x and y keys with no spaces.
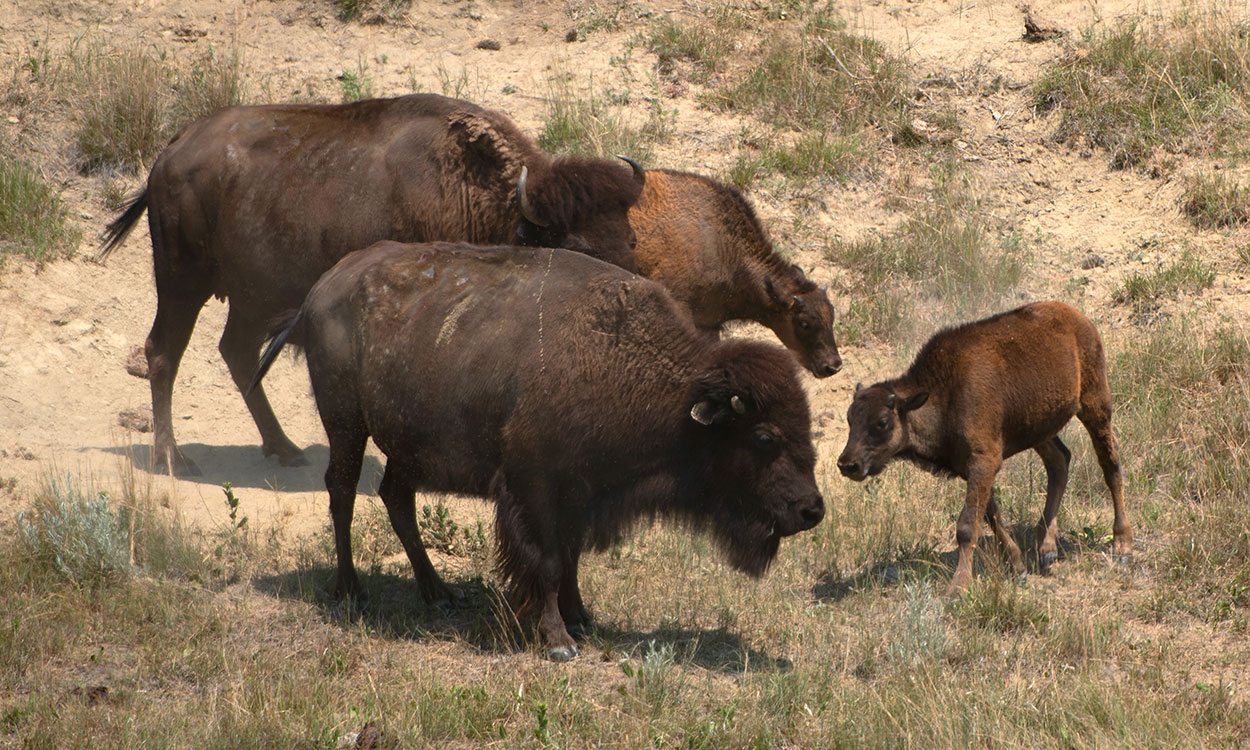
{"x":580,"y":630}
{"x":181,"y":467}
{"x":296,"y":460}
{"x":1048,"y":559}
{"x":1124,"y":561}
{"x":563,"y":653}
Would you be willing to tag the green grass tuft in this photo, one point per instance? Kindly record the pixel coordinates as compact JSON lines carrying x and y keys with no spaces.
{"x":33,"y":219}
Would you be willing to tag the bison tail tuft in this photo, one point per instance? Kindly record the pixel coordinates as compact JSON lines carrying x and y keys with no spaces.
{"x":116,"y":232}
{"x":279,"y":332}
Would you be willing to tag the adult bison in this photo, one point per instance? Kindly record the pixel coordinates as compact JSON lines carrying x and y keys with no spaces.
{"x":981,"y":393}
{"x":254,"y":203}
{"x":573,"y":393}
{"x":702,"y":240}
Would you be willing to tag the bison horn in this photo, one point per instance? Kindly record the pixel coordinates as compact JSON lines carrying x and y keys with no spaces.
{"x":523,"y":203}
{"x":889,"y":401}
{"x":739,"y":407}
{"x":703,"y":412}
{"x":640,"y":174}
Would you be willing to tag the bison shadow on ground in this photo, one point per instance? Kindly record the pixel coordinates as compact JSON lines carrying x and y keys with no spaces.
{"x":244,"y":467}
{"x":926,"y":563}
{"x":480,"y":619}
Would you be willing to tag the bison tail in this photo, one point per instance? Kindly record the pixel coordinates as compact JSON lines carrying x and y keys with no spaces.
{"x":115,"y":233}
{"x":279,"y":332}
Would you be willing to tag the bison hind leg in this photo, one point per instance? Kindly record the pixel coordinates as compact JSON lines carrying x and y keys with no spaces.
{"x":399,"y":496}
{"x":1056,"y":458}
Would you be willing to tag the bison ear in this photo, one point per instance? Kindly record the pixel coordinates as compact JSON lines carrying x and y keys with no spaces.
{"x":717,"y":407}
{"x":772,"y":293}
{"x":913,"y":403}
{"x":858,"y":387}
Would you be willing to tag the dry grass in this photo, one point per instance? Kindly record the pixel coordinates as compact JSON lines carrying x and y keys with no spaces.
{"x":1177,"y":86}
{"x":33,"y":220}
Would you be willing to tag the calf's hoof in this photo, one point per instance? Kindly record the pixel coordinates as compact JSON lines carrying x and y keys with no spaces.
{"x":1124,"y":560}
{"x":297,"y":460}
{"x":562,"y":653}
{"x":1047,"y":559}
{"x":180,"y":466}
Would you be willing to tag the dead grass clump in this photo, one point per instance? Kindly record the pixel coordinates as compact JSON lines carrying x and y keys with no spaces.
{"x":211,"y":82}
{"x":33,"y":221}
{"x":577,"y":122}
{"x":949,"y":252}
{"x":372,"y":11}
{"x":1212,"y":202}
{"x":1180,"y":86}
{"x":124,"y":99}
{"x":1188,"y":274}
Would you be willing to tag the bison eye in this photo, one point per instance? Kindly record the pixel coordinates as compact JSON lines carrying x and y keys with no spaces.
{"x":804,"y":325}
{"x":764,"y":440}
{"x":883,"y":423}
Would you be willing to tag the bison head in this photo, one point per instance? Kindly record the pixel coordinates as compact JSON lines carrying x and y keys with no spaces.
{"x":582,"y":205}
{"x":806,"y":327}
{"x":878,"y":429}
{"x":749,"y":416}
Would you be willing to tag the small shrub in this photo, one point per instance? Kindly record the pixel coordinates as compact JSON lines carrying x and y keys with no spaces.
{"x":76,"y":533}
{"x":440,"y":532}
{"x":355,"y":84}
{"x":32,"y":217}
{"x":1211,"y":202}
{"x":656,"y":679}
{"x":921,"y":634}
{"x":1003,"y":606}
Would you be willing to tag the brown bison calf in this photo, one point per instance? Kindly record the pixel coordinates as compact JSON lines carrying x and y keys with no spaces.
{"x":571,"y":392}
{"x":702,"y":241}
{"x":983,"y":392}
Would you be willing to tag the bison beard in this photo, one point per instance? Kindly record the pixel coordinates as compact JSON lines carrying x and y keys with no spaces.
{"x":570,"y":392}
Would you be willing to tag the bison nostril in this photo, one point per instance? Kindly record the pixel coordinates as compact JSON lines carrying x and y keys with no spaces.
{"x":813,"y":513}
{"x":848,"y":468}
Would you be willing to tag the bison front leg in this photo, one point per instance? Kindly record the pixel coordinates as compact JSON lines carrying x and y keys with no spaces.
{"x":981,"y":472}
{"x":577,"y":618}
{"x":532,"y":559}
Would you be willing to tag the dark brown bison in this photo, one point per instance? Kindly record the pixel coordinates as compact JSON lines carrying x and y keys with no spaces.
{"x":574,"y":394}
{"x":701,"y":240}
{"x":254,"y":203}
{"x":983,"y":392}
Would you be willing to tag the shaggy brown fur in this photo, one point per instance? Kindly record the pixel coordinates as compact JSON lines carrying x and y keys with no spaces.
{"x":573,"y":393}
{"x":254,"y":203}
{"x":981,"y":393}
{"x":701,"y":240}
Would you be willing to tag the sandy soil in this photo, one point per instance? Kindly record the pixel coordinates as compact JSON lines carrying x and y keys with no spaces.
{"x":68,"y":328}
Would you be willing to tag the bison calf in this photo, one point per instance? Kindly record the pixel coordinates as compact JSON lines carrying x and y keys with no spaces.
{"x":702,"y":241}
{"x":982,"y":392}
{"x":570,"y":391}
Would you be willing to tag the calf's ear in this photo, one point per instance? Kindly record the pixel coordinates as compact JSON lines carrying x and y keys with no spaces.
{"x":773,"y":296}
{"x":914,"y":402}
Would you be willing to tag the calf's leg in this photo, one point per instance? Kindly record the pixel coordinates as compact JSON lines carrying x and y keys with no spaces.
{"x":1109,"y":459}
{"x":1056,"y":458}
{"x":1002,"y":534}
{"x":399,"y":497}
{"x":240,"y":347}
{"x":982,"y":468}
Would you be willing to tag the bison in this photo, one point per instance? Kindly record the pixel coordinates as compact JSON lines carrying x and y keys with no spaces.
{"x":571,"y":392}
{"x":253,"y":203}
{"x":982,"y":392}
{"x":701,"y":240}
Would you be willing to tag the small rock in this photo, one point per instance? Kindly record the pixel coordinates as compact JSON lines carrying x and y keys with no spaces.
{"x":139,"y":420}
{"x":13,"y":120}
{"x":490,"y":44}
{"x":1093,"y":260}
{"x":369,"y":737}
{"x":571,"y":36}
{"x":1039,"y":31}
{"x":137,"y":363}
